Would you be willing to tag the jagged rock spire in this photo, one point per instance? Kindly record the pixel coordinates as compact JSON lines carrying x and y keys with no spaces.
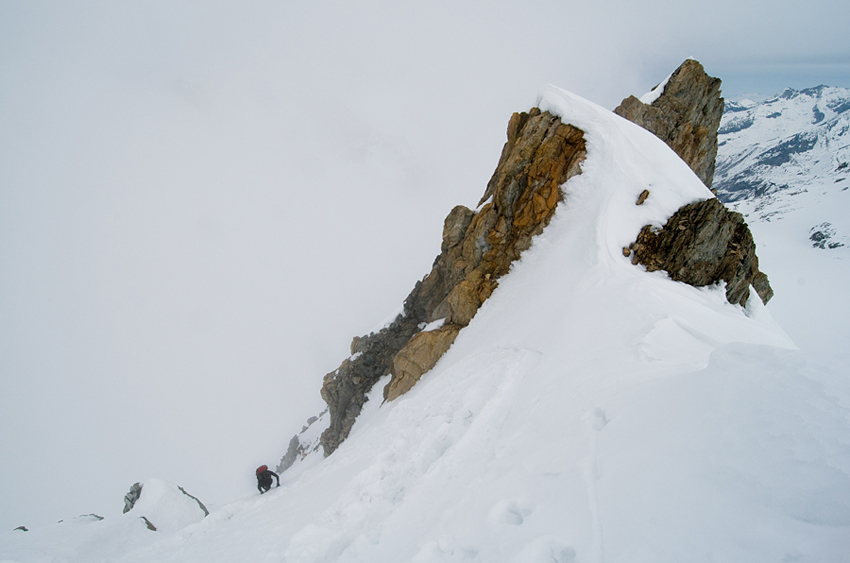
{"x":686,"y":116}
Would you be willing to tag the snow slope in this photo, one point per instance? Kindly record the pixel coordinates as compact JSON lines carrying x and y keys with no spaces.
{"x":590,"y":412}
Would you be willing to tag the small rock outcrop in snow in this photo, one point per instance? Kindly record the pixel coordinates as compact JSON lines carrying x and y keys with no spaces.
{"x":305,"y":442}
{"x":822,"y":237}
{"x":685,"y":116}
{"x":702,"y":244}
{"x":132,"y":496}
{"x":541,"y":153}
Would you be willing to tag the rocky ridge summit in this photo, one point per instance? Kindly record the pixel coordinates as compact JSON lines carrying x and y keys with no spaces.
{"x":703,"y":243}
{"x":584,"y":386}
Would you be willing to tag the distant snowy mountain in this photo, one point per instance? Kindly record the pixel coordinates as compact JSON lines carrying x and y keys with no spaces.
{"x":788,"y":153}
{"x":785,"y":164}
{"x":591,"y":411}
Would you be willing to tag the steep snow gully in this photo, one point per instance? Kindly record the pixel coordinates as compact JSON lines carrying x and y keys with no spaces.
{"x":591,"y":411}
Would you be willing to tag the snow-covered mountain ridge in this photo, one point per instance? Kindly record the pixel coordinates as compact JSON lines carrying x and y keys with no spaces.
{"x":702,"y":244}
{"x":591,"y":411}
{"x":786,"y":153}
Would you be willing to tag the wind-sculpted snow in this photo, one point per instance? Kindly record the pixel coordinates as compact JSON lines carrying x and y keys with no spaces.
{"x":591,"y":411}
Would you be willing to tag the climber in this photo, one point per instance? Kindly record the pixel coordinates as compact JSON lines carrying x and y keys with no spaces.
{"x":264,"y":478}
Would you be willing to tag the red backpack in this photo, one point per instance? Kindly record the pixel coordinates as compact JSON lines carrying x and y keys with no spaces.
{"x":262,"y":468}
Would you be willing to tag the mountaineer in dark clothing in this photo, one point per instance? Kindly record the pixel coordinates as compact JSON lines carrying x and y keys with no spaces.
{"x":264,"y":478}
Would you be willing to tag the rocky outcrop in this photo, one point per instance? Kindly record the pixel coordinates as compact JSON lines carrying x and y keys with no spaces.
{"x":541,"y":153}
{"x":293,"y":452}
{"x":131,"y":497}
{"x":686,"y":116}
{"x":197,"y":500}
{"x":345,"y":389}
{"x":304,"y":443}
{"x":148,"y":523}
{"x":702,"y":244}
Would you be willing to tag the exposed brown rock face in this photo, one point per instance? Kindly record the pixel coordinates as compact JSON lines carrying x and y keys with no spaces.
{"x":541,"y":153}
{"x":686,"y":117}
{"x":417,"y":357}
{"x":701,"y":244}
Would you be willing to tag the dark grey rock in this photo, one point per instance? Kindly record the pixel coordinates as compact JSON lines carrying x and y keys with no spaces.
{"x":292,"y":453}
{"x":131,"y":497}
{"x":149,"y":524}
{"x":839,"y":106}
{"x":821,"y":236}
{"x":194,"y":498}
{"x":702,"y":244}
{"x":781,"y":153}
{"x":738,"y":124}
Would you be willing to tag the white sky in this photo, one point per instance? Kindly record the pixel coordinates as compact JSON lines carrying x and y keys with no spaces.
{"x":202,"y":202}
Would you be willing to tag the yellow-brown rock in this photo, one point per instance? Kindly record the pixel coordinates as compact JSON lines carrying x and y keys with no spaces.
{"x":417,"y":358}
